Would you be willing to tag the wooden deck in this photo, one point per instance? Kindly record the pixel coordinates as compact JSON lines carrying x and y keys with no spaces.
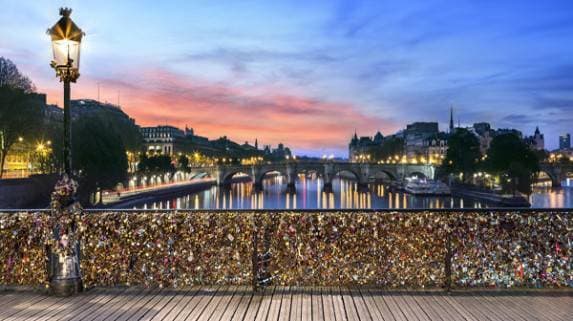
{"x":280,"y":303}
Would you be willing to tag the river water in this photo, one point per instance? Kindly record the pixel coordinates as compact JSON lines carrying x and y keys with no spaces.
{"x":345,"y":195}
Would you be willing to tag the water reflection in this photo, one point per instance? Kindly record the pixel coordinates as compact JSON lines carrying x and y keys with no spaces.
{"x":309,"y":195}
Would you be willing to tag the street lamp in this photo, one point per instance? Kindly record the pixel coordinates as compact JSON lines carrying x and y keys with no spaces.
{"x":65,"y":275}
{"x":66,"y":39}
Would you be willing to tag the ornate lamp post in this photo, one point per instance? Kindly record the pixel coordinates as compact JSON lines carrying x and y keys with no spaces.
{"x":66,"y":39}
{"x":64,"y":271}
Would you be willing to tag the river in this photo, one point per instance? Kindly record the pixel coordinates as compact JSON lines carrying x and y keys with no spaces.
{"x":345,"y":195}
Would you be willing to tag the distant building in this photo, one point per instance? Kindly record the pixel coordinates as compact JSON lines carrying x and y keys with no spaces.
{"x":537,"y":141}
{"x":416,"y":137}
{"x":363,"y":145}
{"x":565,"y":141}
{"x":162,"y":139}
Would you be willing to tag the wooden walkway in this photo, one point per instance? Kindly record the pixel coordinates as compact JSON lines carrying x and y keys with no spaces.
{"x":281,"y":303}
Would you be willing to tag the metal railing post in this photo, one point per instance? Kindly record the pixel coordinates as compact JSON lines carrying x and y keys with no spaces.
{"x":255,"y":254}
{"x":448,"y":258}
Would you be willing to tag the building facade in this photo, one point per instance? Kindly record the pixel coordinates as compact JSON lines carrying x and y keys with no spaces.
{"x":166,"y":140}
{"x":565,"y":141}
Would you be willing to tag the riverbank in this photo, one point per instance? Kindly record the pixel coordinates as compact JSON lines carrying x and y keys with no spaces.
{"x":167,"y":192}
{"x":489,"y":197}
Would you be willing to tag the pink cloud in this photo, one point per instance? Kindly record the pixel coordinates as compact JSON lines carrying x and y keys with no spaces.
{"x":157,"y":96}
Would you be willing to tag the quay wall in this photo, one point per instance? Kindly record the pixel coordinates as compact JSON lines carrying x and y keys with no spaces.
{"x":31,"y":192}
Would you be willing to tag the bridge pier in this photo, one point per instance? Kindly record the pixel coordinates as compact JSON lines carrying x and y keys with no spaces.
{"x":291,"y":188}
{"x":258,"y":186}
{"x":363,"y":187}
{"x":327,"y":187}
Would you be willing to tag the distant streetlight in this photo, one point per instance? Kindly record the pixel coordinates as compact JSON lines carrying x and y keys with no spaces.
{"x":66,"y":38}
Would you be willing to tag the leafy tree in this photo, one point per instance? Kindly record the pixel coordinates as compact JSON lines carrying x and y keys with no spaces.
{"x":20,"y":116}
{"x":463,"y":154}
{"x":157,"y":163}
{"x":98,"y":156}
{"x":510,"y":158}
{"x":11,"y":77}
{"x":390,"y":146}
{"x":183,"y":162}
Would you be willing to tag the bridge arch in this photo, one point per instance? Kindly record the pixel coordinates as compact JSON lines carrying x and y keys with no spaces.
{"x":338,"y":171}
{"x":261,"y":175}
{"x":378,"y":172}
{"x":416,"y":174}
{"x":227,"y":177}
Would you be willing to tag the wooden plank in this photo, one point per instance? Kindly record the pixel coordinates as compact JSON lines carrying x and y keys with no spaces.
{"x":375,"y":313}
{"x":80,"y":311}
{"x":540,"y":307}
{"x":207,"y":296}
{"x":317,"y":307}
{"x":268,"y":294}
{"x":349,"y":307}
{"x":503,"y":309}
{"x":212,"y":306}
{"x":429,"y":309}
{"x":440,"y":308}
{"x":306,"y":304}
{"x":404,"y":306}
{"x":420,"y":313}
{"x":125,"y":301}
{"x":286,"y":305}
{"x":359,"y":303}
{"x":328,"y":304}
{"x":377,"y":298}
{"x":125,"y":312}
{"x":394,"y":307}
{"x":254,"y":306}
{"x":466,"y":302}
{"x":55,"y":313}
{"x":174,"y":307}
{"x":243,"y":305}
{"x":32,"y":311}
{"x":160,"y":302}
{"x":224,"y":303}
{"x":453,"y":307}
{"x":296,"y":304}
{"x":275,"y":305}
{"x":494,"y":313}
{"x":234,"y":303}
{"x":21,"y":305}
{"x":338,"y":303}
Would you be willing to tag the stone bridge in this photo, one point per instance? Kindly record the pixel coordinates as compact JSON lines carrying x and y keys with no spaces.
{"x":362,"y":172}
{"x":556,"y":172}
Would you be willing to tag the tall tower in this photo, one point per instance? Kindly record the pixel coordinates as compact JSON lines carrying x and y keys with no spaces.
{"x":451,"y":119}
{"x":256,"y":143}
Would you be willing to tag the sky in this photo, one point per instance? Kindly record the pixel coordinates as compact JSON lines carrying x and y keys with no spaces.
{"x":310,"y":73}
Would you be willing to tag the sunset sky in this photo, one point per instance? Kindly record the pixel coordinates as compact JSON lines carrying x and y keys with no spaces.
{"x":308,"y":73}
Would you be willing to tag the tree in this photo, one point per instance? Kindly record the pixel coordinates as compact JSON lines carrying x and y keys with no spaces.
{"x":98,"y":156}
{"x":390,"y":147}
{"x":183,"y":162}
{"x":463,"y":154}
{"x":11,"y":77}
{"x":20,"y":116}
{"x":510,"y":158}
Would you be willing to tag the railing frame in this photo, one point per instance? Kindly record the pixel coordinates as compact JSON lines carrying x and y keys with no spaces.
{"x":258,"y":261}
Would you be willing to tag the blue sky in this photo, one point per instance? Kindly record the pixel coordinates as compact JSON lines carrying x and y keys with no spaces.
{"x":308,"y":73}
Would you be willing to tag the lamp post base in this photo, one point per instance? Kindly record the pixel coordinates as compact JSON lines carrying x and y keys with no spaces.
{"x":66,"y":287}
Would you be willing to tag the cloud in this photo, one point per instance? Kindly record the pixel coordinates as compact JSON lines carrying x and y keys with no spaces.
{"x":158,"y":96}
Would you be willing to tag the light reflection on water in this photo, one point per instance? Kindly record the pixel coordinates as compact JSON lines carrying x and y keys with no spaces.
{"x":310,"y":196}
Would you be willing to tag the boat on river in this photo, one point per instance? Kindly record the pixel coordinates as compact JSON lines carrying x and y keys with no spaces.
{"x":419,"y":186}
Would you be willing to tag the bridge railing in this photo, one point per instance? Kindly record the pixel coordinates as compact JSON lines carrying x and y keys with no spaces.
{"x":392,"y":249}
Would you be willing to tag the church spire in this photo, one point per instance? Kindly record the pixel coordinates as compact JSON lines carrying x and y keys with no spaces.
{"x":451,"y":119}
{"x":256,"y":143}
